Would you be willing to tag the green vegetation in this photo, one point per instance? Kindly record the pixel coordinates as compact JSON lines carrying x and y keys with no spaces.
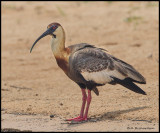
{"x":61,"y":11}
{"x":7,"y":6}
{"x":133,"y":19}
{"x":152,"y":4}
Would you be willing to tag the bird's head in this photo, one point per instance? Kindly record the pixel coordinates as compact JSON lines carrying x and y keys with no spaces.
{"x":53,"y":29}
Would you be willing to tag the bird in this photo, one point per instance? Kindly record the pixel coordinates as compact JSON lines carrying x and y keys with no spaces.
{"x":90,"y":67}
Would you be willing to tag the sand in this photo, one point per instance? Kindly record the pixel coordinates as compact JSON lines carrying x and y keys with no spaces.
{"x":35,"y":88}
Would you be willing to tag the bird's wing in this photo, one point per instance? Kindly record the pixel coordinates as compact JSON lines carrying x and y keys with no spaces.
{"x":132,"y":73}
{"x":95,"y":65}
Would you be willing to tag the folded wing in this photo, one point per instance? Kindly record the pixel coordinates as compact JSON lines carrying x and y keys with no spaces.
{"x":96,"y":66}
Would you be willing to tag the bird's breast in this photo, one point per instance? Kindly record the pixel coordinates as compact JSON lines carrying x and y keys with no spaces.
{"x":63,"y":64}
{"x":62,"y":59}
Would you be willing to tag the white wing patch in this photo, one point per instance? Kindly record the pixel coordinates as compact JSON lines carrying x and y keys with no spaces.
{"x":102,"y":77}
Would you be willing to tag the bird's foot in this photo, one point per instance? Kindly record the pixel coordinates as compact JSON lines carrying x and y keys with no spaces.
{"x":79,"y":118}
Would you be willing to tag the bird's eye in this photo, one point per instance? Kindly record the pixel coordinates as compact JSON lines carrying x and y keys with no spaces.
{"x":54,"y":27}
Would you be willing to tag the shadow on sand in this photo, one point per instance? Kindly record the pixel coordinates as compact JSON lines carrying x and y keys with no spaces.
{"x":109,"y":115}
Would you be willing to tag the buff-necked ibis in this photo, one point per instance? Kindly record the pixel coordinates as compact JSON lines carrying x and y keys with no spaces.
{"x":90,"y":67}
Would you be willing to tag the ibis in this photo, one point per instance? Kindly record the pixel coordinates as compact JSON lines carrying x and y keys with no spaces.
{"x":90,"y":67}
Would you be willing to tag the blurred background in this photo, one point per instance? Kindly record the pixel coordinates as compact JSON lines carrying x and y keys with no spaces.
{"x":33,"y":83}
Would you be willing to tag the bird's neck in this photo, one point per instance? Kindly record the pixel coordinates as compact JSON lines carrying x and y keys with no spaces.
{"x":60,"y":52}
{"x":58,"y":44}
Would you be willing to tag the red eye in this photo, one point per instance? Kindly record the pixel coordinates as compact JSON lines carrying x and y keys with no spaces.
{"x":54,"y":27}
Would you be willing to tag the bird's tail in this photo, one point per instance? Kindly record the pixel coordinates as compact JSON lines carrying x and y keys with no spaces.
{"x":95,"y":90}
{"x":131,"y":86}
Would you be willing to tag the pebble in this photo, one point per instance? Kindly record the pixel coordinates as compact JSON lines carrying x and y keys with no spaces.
{"x":51,"y":116}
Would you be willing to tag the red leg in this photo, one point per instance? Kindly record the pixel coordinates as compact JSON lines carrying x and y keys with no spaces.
{"x":88,"y":104}
{"x":87,"y":108}
{"x":84,"y":102}
{"x":84,"y":97}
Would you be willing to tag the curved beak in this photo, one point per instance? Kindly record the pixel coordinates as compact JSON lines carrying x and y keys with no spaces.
{"x":48,"y":32}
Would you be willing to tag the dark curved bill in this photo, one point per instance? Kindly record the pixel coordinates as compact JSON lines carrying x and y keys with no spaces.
{"x":49,"y":31}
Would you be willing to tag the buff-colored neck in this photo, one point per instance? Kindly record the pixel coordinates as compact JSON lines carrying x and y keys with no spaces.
{"x":58,"y":43}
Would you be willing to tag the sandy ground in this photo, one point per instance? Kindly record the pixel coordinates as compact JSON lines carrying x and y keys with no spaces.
{"x":33,"y":87}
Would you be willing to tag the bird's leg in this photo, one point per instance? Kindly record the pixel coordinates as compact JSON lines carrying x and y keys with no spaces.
{"x":88,"y":104}
{"x":84,"y":98}
{"x":84,"y":118}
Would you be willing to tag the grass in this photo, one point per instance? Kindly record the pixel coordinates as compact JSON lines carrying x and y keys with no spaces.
{"x":61,"y":11}
{"x":133,"y":19}
{"x":152,"y":4}
{"x":109,"y":2}
{"x":7,"y":6}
